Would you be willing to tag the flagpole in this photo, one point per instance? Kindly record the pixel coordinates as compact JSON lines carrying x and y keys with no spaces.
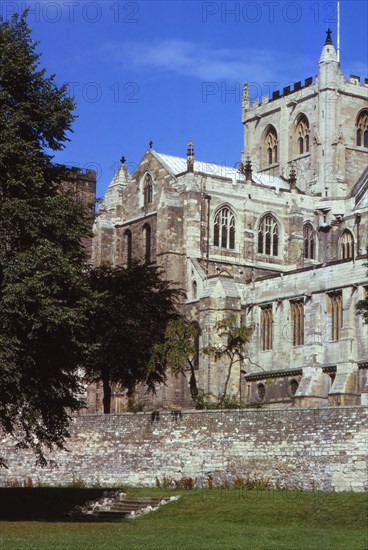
{"x":338,"y":30}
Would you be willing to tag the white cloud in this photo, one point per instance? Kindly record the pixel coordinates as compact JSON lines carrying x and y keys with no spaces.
{"x":201,"y":61}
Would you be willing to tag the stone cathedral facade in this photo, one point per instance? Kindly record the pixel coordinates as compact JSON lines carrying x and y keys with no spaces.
{"x":280,"y":242}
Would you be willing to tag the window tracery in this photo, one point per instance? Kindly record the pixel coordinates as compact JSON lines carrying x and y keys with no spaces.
{"x":147,"y":189}
{"x":224,"y":229}
{"x":362,"y":129}
{"x":297,"y":318}
{"x":347,"y":246}
{"x":266,"y":327}
{"x":268,"y":236}
{"x":271,"y":146}
{"x":302,"y":135}
{"x":335,"y":309}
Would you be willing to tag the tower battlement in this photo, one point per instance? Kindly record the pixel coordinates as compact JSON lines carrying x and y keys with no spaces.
{"x":317,"y":125}
{"x":286,"y":91}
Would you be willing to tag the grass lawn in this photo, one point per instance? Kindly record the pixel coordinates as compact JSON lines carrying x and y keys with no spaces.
{"x":212,"y":519}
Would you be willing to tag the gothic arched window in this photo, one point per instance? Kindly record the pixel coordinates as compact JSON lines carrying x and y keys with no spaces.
{"x":362,"y":129}
{"x":128,"y":247}
{"x":268,"y":236}
{"x":300,"y":145}
{"x":224,"y":229}
{"x":297,"y":318}
{"x":302,"y":135}
{"x":359,"y":137}
{"x":269,"y":153}
{"x":270,"y":146}
{"x":347,"y":246}
{"x":147,"y":242}
{"x":309,"y":237}
{"x":266,"y":327}
{"x":147,"y":189}
{"x":336,"y":311}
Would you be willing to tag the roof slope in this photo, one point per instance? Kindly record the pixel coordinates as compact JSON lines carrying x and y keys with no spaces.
{"x":361,"y":187}
{"x":178,"y":165}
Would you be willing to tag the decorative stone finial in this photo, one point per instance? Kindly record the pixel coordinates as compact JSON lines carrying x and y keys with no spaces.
{"x":190,"y":149}
{"x":246,"y":169}
{"x":150,"y":144}
{"x":190,"y":157}
{"x":245,"y":98}
{"x":123,"y":160}
{"x":292,"y":177}
{"x":329,"y":39}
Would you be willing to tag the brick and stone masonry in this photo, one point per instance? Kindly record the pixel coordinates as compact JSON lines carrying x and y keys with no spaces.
{"x":295,"y":448}
{"x":302,"y":185}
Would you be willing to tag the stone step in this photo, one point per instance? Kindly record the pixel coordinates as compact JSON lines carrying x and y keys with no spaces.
{"x":118,"y":509}
{"x":140,"y":502}
{"x":142,"y":499}
{"x":123,"y":508}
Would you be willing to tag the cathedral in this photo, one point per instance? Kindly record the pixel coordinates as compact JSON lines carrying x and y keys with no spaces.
{"x":279,"y":241}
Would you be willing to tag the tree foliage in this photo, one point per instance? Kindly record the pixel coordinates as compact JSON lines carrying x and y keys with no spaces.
{"x":233,"y":346}
{"x":44,"y":296}
{"x":362,"y":309}
{"x":132,"y":309}
{"x":179,"y":349}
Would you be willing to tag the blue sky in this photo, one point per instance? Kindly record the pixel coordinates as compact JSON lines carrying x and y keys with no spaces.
{"x":168,"y":71}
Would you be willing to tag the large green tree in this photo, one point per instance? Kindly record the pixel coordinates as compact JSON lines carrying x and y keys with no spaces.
{"x":44,"y":296}
{"x":231,"y":348}
{"x":131,"y":311}
{"x":179,"y":350}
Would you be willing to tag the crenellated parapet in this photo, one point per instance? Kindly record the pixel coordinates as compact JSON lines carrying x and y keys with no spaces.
{"x":297,"y":88}
{"x":318,"y":126}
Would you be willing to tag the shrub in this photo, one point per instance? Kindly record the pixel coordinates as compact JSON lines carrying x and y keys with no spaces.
{"x":185,"y":483}
{"x":210,"y":481}
{"x":167,"y":482}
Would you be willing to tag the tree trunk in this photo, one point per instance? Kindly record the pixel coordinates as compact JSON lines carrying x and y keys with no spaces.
{"x":131,"y":398}
{"x":106,"y":391}
{"x":193,"y":382}
{"x":227,"y":380}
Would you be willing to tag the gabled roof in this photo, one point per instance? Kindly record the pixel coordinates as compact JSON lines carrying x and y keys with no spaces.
{"x":270,"y":181}
{"x":178,"y":165}
{"x":361,"y":187}
{"x":122,"y":177}
{"x":221,"y":287}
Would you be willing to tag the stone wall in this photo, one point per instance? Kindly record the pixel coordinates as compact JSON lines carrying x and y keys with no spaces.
{"x":321,"y":448}
{"x":83,"y":184}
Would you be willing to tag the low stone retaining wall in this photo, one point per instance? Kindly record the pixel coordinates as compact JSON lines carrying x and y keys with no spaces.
{"x":307,"y":448}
